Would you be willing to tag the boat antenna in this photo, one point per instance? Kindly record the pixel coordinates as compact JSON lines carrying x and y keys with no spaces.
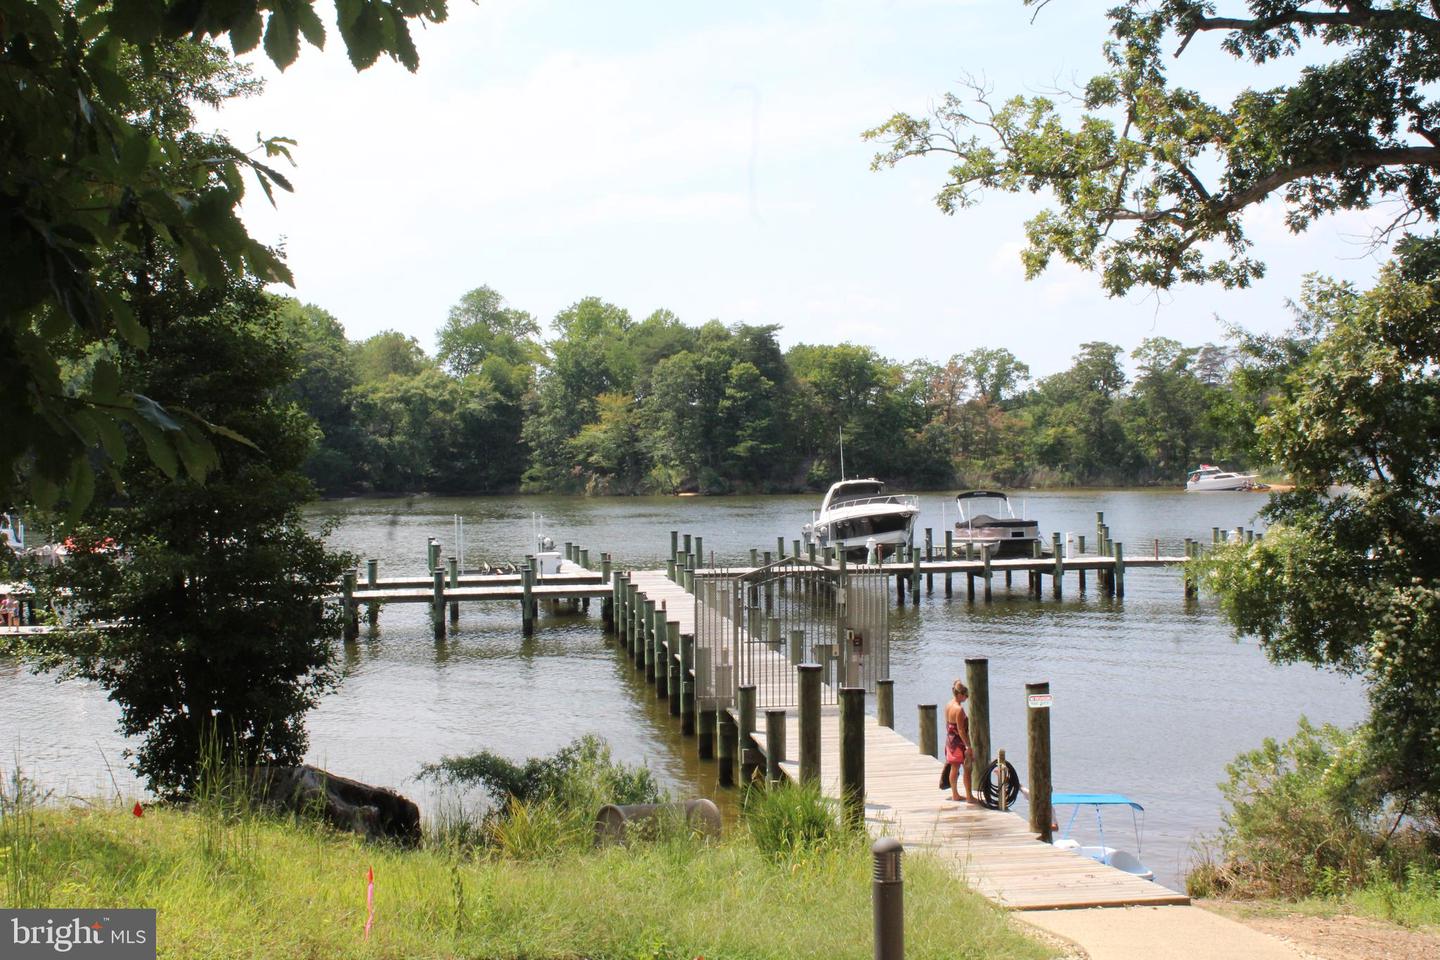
{"x":842,"y":451}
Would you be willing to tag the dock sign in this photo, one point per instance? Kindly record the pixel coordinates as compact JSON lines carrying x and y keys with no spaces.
{"x":1038,"y":701}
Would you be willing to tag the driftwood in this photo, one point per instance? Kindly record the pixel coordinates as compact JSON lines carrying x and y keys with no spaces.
{"x":373,"y":812}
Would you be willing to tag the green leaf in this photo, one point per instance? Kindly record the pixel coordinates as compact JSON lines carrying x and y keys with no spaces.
{"x":310,"y":25}
{"x":156,"y":444}
{"x":105,"y":380}
{"x":81,"y":489}
{"x":246,"y":36}
{"x":197,"y":453}
{"x":137,"y":21}
{"x":282,"y":43}
{"x":136,"y":152}
{"x":112,"y":438}
{"x":125,"y":321}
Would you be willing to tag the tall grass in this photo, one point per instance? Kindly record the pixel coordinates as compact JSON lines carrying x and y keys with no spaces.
{"x":303,"y":895}
{"x":24,"y":870}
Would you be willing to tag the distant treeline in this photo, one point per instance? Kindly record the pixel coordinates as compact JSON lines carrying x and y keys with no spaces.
{"x":612,"y":405}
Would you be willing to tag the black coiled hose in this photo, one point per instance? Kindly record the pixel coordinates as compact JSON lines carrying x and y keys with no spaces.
{"x":990,"y":786}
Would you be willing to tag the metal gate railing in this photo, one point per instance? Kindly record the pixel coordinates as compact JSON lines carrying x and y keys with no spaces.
{"x":756,"y":627}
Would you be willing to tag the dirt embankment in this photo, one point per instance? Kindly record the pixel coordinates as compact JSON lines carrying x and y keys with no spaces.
{"x":1334,"y":937}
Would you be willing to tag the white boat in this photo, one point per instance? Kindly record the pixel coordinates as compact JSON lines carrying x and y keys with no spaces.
{"x":1208,"y":477}
{"x":12,"y":532}
{"x":858,"y":514}
{"x":1110,"y":856}
{"x":989,"y":522}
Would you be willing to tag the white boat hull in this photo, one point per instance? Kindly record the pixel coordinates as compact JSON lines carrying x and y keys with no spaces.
{"x":1234,"y":481}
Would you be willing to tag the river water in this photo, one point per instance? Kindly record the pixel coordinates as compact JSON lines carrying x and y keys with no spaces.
{"x":1152,"y":694}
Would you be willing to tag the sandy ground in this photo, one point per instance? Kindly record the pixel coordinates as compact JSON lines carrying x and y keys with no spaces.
{"x":1158,"y":933}
{"x":1218,"y":930}
{"x":1336,"y":937}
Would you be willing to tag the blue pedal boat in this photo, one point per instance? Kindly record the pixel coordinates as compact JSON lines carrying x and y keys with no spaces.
{"x":1119,"y":859}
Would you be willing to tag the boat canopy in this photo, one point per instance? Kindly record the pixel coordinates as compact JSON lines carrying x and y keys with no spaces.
{"x":979,"y":494}
{"x":1094,"y":799}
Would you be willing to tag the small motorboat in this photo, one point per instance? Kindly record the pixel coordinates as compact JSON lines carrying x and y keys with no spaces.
{"x":988,"y":521}
{"x":1207,"y":477}
{"x":1110,"y":856}
{"x":859,"y":516}
{"x":12,"y":532}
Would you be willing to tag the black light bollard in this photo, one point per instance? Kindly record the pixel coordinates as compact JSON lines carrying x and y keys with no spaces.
{"x":888,"y":894}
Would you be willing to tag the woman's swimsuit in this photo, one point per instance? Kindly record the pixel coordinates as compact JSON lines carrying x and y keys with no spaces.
{"x":955,"y":750}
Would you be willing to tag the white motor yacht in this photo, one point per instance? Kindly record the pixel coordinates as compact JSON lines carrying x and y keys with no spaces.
{"x":1208,"y":477}
{"x":859,"y":513}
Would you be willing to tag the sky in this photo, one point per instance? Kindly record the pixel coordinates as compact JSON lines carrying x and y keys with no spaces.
{"x":707,"y":159}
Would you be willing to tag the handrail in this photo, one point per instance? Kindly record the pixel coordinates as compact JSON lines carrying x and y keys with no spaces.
{"x":904,"y":499}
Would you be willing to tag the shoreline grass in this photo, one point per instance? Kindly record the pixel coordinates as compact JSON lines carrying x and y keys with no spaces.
{"x":295,"y":889}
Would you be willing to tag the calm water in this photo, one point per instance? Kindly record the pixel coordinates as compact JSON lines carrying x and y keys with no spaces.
{"x":1152,"y":695}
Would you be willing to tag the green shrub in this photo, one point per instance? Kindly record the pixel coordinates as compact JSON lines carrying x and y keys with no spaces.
{"x":1308,"y":819}
{"x":791,"y":819}
{"x":538,"y":808}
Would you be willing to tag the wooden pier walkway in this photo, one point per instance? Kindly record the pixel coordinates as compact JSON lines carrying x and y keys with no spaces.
{"x":994,"y":851}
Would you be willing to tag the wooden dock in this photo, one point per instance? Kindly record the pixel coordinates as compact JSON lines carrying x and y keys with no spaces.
{"x":995,"y":852}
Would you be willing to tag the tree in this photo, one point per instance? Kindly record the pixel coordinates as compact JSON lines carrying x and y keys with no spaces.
{"x":480,"y":327}
{"x":201,"y":607}
{"x":1348,"y":574}
{"x":98,"y":161}
{"x":1152,"y":176}
{"x":325,"y":389}
{"x":390,"y":353}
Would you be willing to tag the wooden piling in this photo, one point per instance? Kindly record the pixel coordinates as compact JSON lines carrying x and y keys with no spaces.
{"x":915,"y":577}
{"x":929,"y":743}
{"x":988,"y":576}
{"x":1119,"y":550}
{"x":1037,"y":726}
{"x":351,"y":627}
{"x":775,"y":746}
{"x":977,"y":678}
{"x":885,"y":703}
{"x":929,"y":556}
{"x":672,"y":665}
{"x":452,"y":565}
{"x":432,"y":554}
{"x":527,"y":601}
{"x":949,"y":555}
{"x":687,"y":685}
{"x":809,"y":684}
{"x":727,"y":740}
{"x":645,"y":656}
{"x":852,"y":754}
{"x":797,"y":647}
{"x":437,"y":608}
{"x":372,"y":574}
{"x":745,"y":730}
{"x":1080,"y":549}
{"x":705,"y":734}
{"x":663,"y":655}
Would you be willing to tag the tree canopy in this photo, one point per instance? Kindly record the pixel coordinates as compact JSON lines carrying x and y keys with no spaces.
{"x":98,"y":162}
{"x":1151,"y":180}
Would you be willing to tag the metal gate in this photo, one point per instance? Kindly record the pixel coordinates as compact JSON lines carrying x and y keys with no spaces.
{"x":756,"y":627}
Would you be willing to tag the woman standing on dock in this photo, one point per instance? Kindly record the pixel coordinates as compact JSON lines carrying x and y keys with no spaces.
{"x":957,"y":741}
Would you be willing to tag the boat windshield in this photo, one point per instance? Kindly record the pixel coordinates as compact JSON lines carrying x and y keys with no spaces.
{"x":857,"y":491}
{"x":993,"y":506}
